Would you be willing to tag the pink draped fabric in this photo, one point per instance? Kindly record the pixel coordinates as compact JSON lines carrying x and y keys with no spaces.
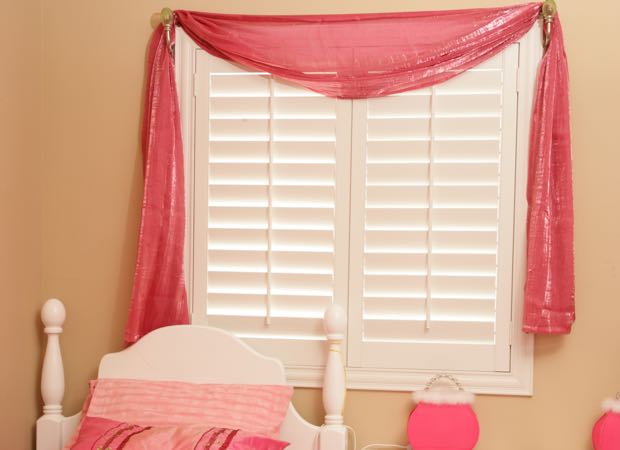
{"x":550,"y":285}
{"x":361,"y":56}
{"x":158,"y":298}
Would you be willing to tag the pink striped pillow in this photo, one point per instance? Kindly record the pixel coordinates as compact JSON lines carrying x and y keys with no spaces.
{"x":258,"y":409}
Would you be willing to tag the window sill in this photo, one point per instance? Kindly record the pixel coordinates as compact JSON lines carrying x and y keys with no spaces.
{"x":517,"y":382}
{"x":384,"y":380}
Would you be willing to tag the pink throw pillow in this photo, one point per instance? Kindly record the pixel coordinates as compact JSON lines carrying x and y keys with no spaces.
{"x":107,"y":434}
{"x":258,"y":409}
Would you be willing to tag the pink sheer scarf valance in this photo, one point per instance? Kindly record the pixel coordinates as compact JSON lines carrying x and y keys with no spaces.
{"x":359,"y":56}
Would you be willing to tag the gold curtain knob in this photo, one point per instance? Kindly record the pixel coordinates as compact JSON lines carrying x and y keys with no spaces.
{"x":549,"y":9}
{"x":167,"y":17}
{"x":167,"y":20}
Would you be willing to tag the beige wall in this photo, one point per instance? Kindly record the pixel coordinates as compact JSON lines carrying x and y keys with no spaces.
{"x":20,"y":259}
{"x":94,"y":60}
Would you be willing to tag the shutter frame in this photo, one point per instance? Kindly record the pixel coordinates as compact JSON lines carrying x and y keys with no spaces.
{"x":452,"y":193}
{"x":519,"y":380}
{"x":267,"y":224}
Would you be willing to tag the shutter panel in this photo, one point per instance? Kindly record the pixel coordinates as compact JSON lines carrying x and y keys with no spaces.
{"x":431,"y":223}
{"x":271,"y":172}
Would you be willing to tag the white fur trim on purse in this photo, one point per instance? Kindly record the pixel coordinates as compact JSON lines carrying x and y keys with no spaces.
{"x":444,"y":397}
{"x":611,"y":404}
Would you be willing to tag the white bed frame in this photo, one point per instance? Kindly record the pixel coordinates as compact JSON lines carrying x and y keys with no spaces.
{"x":196,"y":354}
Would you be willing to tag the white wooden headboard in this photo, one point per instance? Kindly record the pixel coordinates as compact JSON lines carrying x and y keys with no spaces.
{"x":201,"y":355}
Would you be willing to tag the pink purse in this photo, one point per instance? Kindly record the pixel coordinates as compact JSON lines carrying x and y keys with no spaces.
{"x":443,"y":418}
{"x":606,"y":431}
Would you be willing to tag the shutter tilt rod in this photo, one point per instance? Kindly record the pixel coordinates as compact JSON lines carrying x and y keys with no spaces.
{"x":548,"y":12}
{"x":167,"y":20}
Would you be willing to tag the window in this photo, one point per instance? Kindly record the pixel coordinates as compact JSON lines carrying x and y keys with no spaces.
{"x":407,"y":210}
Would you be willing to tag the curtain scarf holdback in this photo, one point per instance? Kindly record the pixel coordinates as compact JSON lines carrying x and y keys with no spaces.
{"x":353,"y":56}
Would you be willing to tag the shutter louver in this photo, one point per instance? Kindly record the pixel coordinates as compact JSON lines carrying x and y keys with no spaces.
{"x":432,"y":188}
{"x":267,"y":214}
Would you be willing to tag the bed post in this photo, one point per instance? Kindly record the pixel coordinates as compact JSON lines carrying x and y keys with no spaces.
{"x":334,"y":433}
{"x":50,"y":426}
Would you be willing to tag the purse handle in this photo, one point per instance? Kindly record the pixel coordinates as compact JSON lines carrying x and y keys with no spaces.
{"x":446,"y":376}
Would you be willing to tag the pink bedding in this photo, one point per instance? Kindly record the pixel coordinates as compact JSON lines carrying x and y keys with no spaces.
{"x":96,"y":433}
{"x":258,"y":409}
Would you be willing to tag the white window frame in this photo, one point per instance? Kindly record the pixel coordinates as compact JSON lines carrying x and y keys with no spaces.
{"x":519,"y":379}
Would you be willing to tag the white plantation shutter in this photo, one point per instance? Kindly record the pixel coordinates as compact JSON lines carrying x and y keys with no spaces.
{"x":407,"y":210}
{"x":270,"y":233}
{"x":431,"y":223}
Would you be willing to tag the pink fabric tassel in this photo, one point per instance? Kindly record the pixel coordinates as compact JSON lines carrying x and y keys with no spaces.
{"x":158,"y":298}
{"x":360,"y":56}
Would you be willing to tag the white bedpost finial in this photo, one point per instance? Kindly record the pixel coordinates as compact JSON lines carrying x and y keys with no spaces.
{"x":334,"y":386}
{"x":53,"y":377}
